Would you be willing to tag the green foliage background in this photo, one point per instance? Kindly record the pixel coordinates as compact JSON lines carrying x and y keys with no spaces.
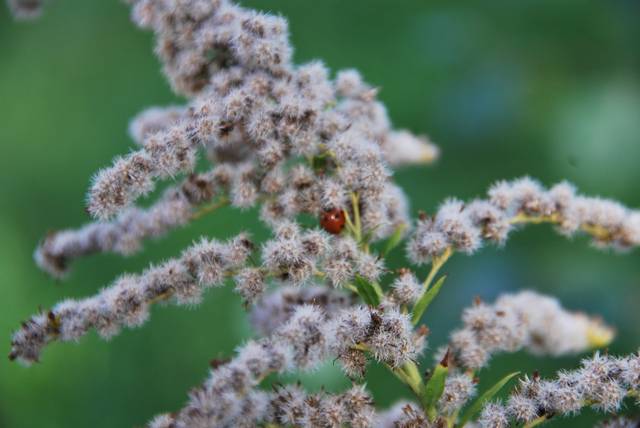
{"x":506,"y":88}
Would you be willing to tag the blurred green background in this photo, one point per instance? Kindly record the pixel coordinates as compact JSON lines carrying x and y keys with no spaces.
{"x":506,"y":88}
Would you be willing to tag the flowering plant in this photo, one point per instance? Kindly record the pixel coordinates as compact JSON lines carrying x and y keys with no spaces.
{"x":303,"y":146}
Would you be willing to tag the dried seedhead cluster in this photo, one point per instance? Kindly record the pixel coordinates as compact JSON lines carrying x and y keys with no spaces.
{"x":294,"y":140}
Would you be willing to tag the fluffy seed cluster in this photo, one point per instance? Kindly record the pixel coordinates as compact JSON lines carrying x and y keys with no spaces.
{"x":291,"y":406}
{"x":464,"y":227}
{"x":153,"y":120}
{"x":251,"y":106}
{"x":406,"y":288}
{"x":126,"y":302}
{"x":26,"y":9}
{"x":230,"y":396}
{"x":403,"y":415}
{"x":293,"y":253}
{"x":388,"y":335}
{"x":256,"y":116}
{"x":126,"y":233}
{"x":458,"y":389}
{"x":297,"y":256}
{"x":275,"y":309}
{"x":527,"y":320}
{"x":601,"y":383}
{"x":619,"y":422}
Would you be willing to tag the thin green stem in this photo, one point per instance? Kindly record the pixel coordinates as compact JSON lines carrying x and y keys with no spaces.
{"x":596,"y":231}
{"x":408,"y":377}
{"x":356,"y":215}
{"x":351,"y":228}
{"x":436,"y":264}
{"x":412,"y":371}
{"x":221,"y":202}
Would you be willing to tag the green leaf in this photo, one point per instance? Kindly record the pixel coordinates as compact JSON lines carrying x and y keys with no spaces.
{"x":395,"y":239}
{"x":477,"y":406}
{"x":425,"y":300}
{"x":370,"y":293}
{"x":319,"y":162}
{"x":378,"y":290}
{"x":433,"y":390}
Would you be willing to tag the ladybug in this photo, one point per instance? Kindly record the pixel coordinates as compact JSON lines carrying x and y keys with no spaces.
{"x":333,"y":221}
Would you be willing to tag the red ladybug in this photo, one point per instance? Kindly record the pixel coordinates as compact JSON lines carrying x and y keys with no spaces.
{"x":333,"y":221}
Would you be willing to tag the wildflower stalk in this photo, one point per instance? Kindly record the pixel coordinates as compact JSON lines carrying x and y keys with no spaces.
{"x":414,"y":378}
{"x":598,"y":232}
{"x":220,"y":203}
{"x":354,"y":226}
{"x":356,"y":215}
{"x":436,"y":265}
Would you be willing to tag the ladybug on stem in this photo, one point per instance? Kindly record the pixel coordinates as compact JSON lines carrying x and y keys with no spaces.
{"x":333,"y":221}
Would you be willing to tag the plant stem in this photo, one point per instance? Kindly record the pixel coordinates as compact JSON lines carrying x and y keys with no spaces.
{"x":356,"y":215}
{"x":595,"y":231}
{"x":436,"y":265}
{"x":223,"y":201}
{"x":416,"y":384}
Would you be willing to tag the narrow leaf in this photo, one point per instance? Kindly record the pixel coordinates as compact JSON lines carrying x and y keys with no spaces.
{"x":477,"y":406}
{"x":395,"y":239}
{"x":368,"y":291}
{"x":434,"y":388}
{"x":426,"y":299}
{"x":377,"y":289}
